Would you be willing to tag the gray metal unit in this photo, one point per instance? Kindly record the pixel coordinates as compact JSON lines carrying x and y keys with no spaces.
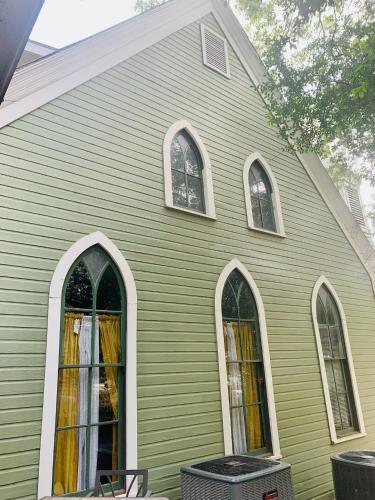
{"x":354,"y":475}
{"x":237,"y":477}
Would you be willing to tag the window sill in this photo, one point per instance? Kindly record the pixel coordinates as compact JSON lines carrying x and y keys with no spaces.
{"x":266,"y":231}
{"x":192,"y":212}
{"x":355,"y":435}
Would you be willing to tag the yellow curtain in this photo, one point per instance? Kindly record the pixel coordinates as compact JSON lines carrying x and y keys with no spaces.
{"x":66,"y":454}
{"x":245,"y":336}
{"x":109,"y":329}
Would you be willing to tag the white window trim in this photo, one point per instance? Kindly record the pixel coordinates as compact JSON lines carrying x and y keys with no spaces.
{"x":361,"y":433}
{"x":204,"y":51}
{"x":208,"y":191}
{"x":280,"y":231}
{"x":52,"y":356}
{"x":228,"y":446}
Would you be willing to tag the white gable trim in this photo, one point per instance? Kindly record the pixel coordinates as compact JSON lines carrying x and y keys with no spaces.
{"x":334,"y":438}
{"x":208,"y":194}
{"x":228,"y":447}
{"x":41,"y":82}
{"x":52,"y":356}
{"x":275,"y":195}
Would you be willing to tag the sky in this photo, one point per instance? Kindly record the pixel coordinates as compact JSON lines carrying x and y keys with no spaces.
{"x":62,"y":22}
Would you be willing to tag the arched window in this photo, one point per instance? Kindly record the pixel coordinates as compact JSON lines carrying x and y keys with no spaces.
{"x":187,"y":171}
{"x":91,"y":378}
{"x":337,"y":370}
{"x":262,"y":196}
{"x":245,"y":372}
{"x":187,"y":176}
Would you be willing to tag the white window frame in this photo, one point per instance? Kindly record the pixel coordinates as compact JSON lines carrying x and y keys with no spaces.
{"x":46,"y":459}
{"x":208,"y":191}
{"x":225,"y":406}
{"x":204,"y":51}
{"x":280,"y":231}
{"x":357,"y":404}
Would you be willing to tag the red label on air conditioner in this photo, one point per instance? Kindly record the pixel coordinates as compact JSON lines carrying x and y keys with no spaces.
{"x":270,"y":495}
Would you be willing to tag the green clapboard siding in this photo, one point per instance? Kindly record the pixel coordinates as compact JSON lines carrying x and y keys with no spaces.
{"x":92,"y":160}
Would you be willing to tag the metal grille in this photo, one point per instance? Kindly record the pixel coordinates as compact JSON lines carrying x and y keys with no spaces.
{"x":198,"y":487}
{"x":235,"y":465}
{"x":215,"y":54}
{"x":355,"y":205}
{"x":353,"y":481}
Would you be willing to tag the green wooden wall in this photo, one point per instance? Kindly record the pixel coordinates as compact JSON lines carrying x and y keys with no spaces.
{"x":92,"y":160}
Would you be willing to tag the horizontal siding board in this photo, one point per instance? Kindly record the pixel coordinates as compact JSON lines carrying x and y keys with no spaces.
{"x":92,"y":160}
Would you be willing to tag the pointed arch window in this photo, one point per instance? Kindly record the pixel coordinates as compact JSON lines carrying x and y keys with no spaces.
{"x":187,"y":171}
{"x":262,"y":196}
{"x":244,"y":365}
{"x":91,"y":378}
{"x":341,"y":393}
{"x":187,"y":175}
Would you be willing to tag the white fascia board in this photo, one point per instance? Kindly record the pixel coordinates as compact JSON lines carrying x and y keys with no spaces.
{"x":39,"y":83}
{"x":257,"y":72}
{"x":39,"y":48}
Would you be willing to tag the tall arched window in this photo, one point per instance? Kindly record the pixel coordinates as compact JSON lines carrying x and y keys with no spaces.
{"x":90,"y":397}
{"x":261,"y":198}
{"x":187,"y":176}
{"x":336,"y":364}
{"x":245,"y":372}
{"x":187,"y":171}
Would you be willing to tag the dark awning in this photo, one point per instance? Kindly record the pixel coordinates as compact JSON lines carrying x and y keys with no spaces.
{"x":17,"y":18}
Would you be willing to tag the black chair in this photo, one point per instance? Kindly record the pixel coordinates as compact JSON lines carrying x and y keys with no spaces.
{"x":122,"y":476}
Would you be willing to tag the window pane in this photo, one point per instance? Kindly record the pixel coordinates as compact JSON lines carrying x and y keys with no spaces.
{"x":96,"y":260}
{"x":235,"y":384}
{"x":195,"y":200}
{"x":110,"y":338}
{"x":179,"y":188}
{"x":192,"y":163}
{"x":177,"y":156}
{"x":266,"y":208}
{"x":238,"y":425}
{"x":72,"y":397}
{"x":322,"y":319}
{"x":76,"y":348}
{"x":109,"y":296}
{"x":246,"y":303}
{"x":333,"y":394}
{"x":79,"y":289}
{"x":250,"y":382}
{"x":342,"y":395}
{"x":337,"y":342}
{"x":254,"y":427}
{"x":248,"y":343}
{"x":67,"y":458}
{"x":257,"y":217}
{"x":325,"y":341}
{"x":106,"y":437}
{"x":228,"y":302}
{"x":104,"y":395}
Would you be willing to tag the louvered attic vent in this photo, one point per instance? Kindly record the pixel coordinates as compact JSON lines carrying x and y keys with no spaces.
{"x":215,"y":51}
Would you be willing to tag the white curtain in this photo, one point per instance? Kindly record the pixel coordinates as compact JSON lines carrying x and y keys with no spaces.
{"x":235,"y":393}
{"x":85,"y":359}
